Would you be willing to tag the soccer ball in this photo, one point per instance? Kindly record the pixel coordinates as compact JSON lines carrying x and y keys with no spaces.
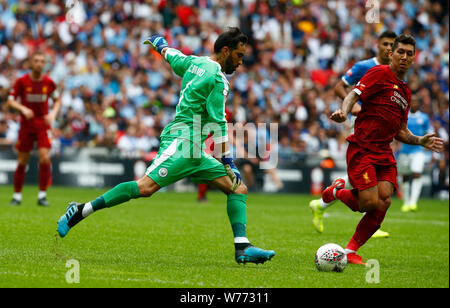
{"x":331,"y":257}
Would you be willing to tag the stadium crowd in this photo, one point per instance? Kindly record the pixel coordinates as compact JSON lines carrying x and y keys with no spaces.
{"x":118,"y":93}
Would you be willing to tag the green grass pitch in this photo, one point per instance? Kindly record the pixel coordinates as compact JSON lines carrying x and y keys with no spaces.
{"x":169,"y":240}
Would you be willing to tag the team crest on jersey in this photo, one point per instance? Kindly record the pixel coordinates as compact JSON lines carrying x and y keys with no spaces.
{"x":395,"y":86}
{"x":29,"y":89}
{"x":163,"y":172}
{"x":44,"y":89}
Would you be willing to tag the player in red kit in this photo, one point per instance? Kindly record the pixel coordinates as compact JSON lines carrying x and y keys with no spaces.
{"x":203,"y":188}
{"x":371,"y":166}
{"x":30,"y":97}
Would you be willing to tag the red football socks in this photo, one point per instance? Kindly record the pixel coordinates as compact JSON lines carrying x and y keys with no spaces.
{"x":368,"y":225}
{"x":349,"y":198}
{"x":202,"y":189}
{"x":45,"y":176}
{"x":19,"y":178}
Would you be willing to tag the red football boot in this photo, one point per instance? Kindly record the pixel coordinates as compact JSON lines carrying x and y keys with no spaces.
{"x":353,"y":258}
{"x":328,"y":195}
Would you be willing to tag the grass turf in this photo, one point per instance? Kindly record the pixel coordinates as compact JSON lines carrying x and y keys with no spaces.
{"x":169,"y":240}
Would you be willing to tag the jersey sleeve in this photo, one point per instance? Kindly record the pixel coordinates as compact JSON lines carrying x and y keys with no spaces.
{"x":15,"y":90}
{"x":353,"y":75}
{"x":54,"y":93}
{"x":215,"y":107}
{"x":367,"y":86}
{"x":178,"y":61}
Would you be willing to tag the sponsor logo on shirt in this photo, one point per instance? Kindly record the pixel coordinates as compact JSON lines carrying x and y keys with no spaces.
{"x":36,"y":98}
{"x":399,"y":99}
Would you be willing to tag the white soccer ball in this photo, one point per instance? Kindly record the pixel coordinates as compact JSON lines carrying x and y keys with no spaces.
{"x":331,"y":257}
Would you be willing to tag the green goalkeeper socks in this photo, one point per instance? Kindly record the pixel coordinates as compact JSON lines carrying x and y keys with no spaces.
{"x":237,"y":213}
{"x":119,"y":194}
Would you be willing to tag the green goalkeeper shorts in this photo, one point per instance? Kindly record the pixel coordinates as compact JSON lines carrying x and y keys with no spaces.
{"x":179,"y":158}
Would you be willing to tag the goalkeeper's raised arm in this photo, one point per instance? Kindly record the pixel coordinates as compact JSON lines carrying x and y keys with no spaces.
{"x":177,"y":60}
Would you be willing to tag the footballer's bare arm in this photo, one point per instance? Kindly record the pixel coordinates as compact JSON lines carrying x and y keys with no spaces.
{"x":404,"y":135}
{"x":341,"y":90}
{"x":51,"y":117}
{"x":429,"y":141}
{"x":224,"y":149}
{"x":27,"y":112}
{"x":340,"y":115}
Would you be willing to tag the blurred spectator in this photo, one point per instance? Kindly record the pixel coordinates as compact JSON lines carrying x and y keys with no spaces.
{"x":311,"y":137}
{"x":127,"y":143}
{"x":285,"y":150}
{"x":440,"y":180}
{"x":338,"y":146}
{"x":119,"y":93}
{"x":4,"y":133}
{"x":147,"y":141}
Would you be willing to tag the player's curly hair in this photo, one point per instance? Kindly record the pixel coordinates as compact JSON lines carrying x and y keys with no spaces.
{"x":230,"y":38}
{"x":404,"y":39}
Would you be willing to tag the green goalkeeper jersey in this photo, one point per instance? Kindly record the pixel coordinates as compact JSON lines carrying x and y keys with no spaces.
{"x":201,"y":107}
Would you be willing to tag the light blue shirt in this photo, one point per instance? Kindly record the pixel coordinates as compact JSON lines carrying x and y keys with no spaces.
{"x":357,"y":71}
{"x":419,"y":125}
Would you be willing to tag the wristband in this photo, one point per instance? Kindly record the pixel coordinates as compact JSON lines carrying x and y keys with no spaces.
{"x":227,"y":154}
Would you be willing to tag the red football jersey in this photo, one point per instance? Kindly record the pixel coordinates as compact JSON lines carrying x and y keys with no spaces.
{"x":385,"y":105}
{"x":34,"y":95}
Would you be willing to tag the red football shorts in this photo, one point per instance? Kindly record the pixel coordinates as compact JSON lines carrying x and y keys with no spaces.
{"x":366,"y":168}
{"x":26,"y":140}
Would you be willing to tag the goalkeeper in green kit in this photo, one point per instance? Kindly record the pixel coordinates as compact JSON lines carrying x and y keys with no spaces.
{"x":200,"y":111}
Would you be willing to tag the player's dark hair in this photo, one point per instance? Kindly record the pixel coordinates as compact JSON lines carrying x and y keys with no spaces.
{"x":404,"y":39}
{"x":387,"y":34}
{"x":230,"y":38}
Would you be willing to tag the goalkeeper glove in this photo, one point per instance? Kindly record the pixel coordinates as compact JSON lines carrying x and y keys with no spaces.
{"x":157,"y":42}
{"x":232,"y":172}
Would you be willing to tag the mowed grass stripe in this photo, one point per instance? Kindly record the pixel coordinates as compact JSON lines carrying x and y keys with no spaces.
{"x":169,"y":240}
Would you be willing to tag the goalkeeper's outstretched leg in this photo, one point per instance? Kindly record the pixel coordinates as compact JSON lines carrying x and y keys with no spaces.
{"x":76,"y":212}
